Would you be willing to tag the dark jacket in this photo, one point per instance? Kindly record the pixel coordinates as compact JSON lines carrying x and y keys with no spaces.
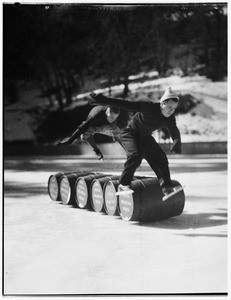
{"x":148,"y":116}
{"x":95,"y":118}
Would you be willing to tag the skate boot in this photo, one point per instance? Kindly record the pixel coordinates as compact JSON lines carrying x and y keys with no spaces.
{"x":124,"y":190}
{"x":98,"y":153}
{"x":168,"y":191}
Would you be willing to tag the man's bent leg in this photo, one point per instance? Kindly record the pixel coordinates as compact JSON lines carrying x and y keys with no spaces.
{"x":134,"y":158}
{"x":157,"y":160}
{"x":89,"y":137}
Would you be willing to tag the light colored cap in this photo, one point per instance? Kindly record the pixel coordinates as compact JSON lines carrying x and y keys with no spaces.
{"x":169,"y":94}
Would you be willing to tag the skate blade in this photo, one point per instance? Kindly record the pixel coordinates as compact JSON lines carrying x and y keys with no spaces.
{"x":177,"y":190}
{"x":119,"y":193}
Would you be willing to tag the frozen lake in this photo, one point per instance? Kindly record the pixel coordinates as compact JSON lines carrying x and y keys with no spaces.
{"x":50,"y":248}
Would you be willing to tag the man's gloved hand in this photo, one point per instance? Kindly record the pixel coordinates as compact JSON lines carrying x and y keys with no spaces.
{"x":93,"y":95}
{"x":98,"y":99}
{"x":93,"y":100}
{"x":64,"y":143}
{"x":176,"y":147}
{"x":98,"y":153}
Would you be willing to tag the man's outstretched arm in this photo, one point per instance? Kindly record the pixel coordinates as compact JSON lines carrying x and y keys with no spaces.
{"x":120,"y":103}
{"x":83,"y":127}
{"x":76,"y":134}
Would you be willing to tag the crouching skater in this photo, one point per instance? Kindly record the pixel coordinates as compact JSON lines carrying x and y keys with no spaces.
{"x":137,"y":139}
{"x":102,"y":120}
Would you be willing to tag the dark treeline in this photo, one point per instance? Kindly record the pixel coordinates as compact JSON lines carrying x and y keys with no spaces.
{"x":57,"y":46}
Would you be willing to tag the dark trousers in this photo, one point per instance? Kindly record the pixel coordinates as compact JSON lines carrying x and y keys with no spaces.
{"x":136,"y":149}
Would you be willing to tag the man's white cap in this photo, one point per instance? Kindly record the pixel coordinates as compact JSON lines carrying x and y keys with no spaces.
{"x":169,"y":94}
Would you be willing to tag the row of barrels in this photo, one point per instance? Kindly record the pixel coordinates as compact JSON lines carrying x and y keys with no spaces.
{"x":97,"y":191}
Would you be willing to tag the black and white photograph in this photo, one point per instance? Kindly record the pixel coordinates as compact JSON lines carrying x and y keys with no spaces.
{"x":115,"y":149}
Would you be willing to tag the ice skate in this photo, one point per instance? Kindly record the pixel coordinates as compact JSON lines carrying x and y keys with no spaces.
{"x":171,"y":191}
{"x":124,"y":190}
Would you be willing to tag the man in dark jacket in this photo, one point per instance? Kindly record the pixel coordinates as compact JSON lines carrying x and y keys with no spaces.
{"x":102,"y":120}
{"x":137,"y":139}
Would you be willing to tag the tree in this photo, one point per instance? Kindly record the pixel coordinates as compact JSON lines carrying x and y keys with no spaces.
{"x":57,"y":45}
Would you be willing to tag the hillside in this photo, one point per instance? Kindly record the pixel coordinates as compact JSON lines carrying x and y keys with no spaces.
{"x":206,"y":121}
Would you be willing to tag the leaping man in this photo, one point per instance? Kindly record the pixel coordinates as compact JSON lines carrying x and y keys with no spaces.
{"x":137,"y":140}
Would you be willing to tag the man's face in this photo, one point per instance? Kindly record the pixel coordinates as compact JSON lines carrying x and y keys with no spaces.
{"x":168,"y":107}
{"x":111,"y":116}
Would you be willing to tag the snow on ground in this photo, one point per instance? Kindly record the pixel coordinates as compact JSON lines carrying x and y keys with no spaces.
{"x":207,"y":122}
{"x":201,"y":129}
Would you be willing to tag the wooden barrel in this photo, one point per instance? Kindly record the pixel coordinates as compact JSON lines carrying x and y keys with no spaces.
{"x":82,"y":189}
{"x":67,"y":185}
{"x":110,"y":188}
{"x":53,"y":185}
{"x":110,"y":198}
{"x":96,"y":190}
{"x":146,"y":203}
